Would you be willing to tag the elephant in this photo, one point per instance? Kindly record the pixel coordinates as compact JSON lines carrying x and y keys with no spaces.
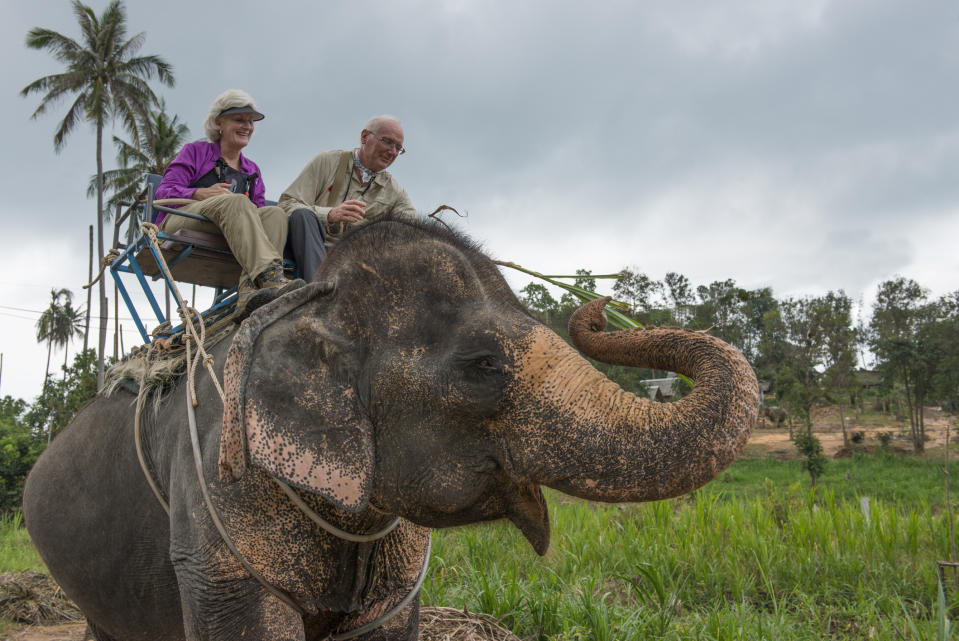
{"x":407,"y":385}
{"x":776,"y":415}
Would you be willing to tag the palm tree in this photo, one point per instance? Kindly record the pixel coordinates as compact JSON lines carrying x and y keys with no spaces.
{"x":108,"y":81}
{"x":58,"y":325}
{"x":159,"y":139}
{"x":69,"y":325}
{"x":50,"y":326}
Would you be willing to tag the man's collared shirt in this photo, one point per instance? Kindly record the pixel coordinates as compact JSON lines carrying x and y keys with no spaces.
{"x":313,"y":189}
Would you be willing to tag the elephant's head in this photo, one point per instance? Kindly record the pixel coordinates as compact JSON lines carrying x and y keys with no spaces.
{"x":409,"y":377}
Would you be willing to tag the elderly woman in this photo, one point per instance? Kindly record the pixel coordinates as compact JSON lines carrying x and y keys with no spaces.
{"x":229,"y":191}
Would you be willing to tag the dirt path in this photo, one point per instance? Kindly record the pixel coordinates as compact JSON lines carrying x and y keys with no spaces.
{"x":65,"y":632}
{"x":771,"y":441}
{"x":436,"y":624}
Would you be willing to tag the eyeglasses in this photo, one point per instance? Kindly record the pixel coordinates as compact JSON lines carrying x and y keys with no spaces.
{"x":395,"y":146}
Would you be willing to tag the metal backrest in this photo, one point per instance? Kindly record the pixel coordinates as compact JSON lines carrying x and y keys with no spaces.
{"x":153,"y":180}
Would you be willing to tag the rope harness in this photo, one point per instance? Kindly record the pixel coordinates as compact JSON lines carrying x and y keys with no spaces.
{"x":108,"y":260}
{"x":193,"y":337}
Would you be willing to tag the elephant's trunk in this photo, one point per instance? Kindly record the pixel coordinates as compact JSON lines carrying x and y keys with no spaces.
{"x":606,"y":444}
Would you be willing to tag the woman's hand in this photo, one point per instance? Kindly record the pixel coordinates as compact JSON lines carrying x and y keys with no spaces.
{"x":209,"y":192}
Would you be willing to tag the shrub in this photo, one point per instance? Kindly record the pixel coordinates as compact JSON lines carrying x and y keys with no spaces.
{"x":19,"y":448}
{"x":810,"y":447}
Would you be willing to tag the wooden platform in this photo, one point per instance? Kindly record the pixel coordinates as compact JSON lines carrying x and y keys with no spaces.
{"x":208,"y":263}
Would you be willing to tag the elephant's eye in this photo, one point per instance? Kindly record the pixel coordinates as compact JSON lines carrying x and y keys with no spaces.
{"x":488,"y":364}
{"x":480,"y":362}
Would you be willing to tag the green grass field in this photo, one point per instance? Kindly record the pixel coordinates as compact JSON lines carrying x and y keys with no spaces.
{"x":16,"y":552}
{"x":753,"y":555}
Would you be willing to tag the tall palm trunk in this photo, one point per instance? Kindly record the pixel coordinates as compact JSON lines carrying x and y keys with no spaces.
{"x":46,"y":372}
{"x":103,"y":291}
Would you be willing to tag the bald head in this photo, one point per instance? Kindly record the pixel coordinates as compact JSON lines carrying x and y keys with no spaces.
{"x":381,"y":120}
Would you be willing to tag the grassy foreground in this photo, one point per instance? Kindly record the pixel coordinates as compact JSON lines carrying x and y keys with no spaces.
{"x":17,"y":553}
{"x":753,"y":555}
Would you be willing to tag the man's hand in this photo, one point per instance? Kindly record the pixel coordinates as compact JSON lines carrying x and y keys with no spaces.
{"x":209,"y":192}
{"x":350,"y":211}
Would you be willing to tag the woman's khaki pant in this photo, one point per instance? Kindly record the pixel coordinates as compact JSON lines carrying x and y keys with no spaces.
{"x":256,"y":236}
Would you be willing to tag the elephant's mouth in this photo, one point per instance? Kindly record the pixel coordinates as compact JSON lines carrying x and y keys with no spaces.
{"x":529,"y":513}
{"x":523,"y":505}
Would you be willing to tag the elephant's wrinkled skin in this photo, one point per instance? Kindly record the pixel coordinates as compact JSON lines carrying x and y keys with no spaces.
{"x":406,"y":380}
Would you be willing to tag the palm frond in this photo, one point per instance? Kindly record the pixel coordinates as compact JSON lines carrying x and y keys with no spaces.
{"x":129,"y":48}
{"x":61,"y":47}
{"x":69,"y":121}
{"x":150,"y":66}
{"x":128,"y":155}
{"x":87,"y":20}
{"x":55,"y":85}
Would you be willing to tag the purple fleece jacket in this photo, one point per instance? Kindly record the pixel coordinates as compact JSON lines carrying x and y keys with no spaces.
{"x":194,"y":161}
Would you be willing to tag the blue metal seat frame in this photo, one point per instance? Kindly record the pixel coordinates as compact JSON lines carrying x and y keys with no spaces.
{"x":142,"y":259}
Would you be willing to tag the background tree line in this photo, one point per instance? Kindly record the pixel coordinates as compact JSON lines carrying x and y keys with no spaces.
{"x":811,"y":350}
{"x":25,"y":429}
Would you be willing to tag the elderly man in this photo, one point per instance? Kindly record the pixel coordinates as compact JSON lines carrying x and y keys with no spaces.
{"x":342,"y":188}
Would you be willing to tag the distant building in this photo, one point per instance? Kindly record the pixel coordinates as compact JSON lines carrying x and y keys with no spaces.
{"x":868,"y":378}
{"x":669,"y":388}
{"x":662,"y":389}
{"x":764,"y":387}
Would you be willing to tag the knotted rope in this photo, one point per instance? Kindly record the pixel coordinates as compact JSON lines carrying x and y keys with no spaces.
{"x":108,"y":260}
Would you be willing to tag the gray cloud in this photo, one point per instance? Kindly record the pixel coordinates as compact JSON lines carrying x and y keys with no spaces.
{"x":803,"y":146}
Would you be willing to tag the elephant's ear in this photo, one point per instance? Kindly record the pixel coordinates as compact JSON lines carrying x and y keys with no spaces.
{"x":287,"y":411}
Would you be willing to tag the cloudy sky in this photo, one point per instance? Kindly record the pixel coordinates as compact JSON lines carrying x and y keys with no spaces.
{"x":806,"y":146}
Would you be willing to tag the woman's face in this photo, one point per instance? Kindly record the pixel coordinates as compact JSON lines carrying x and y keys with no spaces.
{"x":235,"y":130}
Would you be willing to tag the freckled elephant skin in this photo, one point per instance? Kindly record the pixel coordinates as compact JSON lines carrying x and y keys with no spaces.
{"x":406,"y":380}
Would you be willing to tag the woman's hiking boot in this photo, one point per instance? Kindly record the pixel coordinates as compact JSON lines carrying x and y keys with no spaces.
{"x":269,"y":285}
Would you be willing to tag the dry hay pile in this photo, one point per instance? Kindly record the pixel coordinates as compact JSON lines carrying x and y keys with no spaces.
{"x":34,"y":598}
{"x":450,"y":624}
{"x":158,"y":365}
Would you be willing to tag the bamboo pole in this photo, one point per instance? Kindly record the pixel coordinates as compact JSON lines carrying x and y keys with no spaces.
{"x":116,"y":321}
{"x":86,"y":330}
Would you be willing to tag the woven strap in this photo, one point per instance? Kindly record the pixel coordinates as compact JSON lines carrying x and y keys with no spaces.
{"x":336,"y":194}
